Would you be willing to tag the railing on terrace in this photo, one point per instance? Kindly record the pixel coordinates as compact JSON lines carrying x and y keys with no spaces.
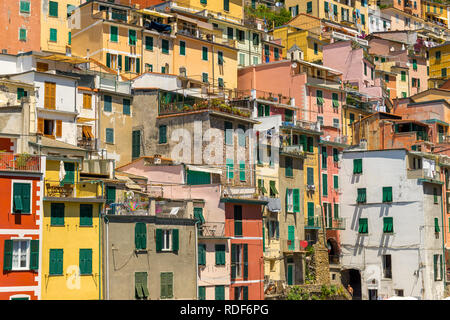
{"x":293,"y":149}
{"x":126,"y":207}
{"x":20,"y":162}
{"x":423,"y":174}
{"x":211,"y":229}
{"x":86,"y":143}
{"x":313,"y":222}
{"x":342,"y":36}
{"x":336,"y":224}
{"x":291,"y":245}
{"x":68,"y":188}
{"x":115,"y":85}
{"x":275,"y":97}
{"x":303,"y":124}
{"x":210,"y":13}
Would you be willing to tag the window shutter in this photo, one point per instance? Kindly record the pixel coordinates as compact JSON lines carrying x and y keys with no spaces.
{"x":277,"y":230}
{"x":138,"y":65}
{"x":233,"y":261}
{"x":136,"y":144}
{"x":220,"y":254}
{"x":201,"y":293}
{"x":34,"y":254}
{"x":163,"y":134}
{"x":158,"y":240}
{"x":86,"y":214}
{"x":245,"y":245}
{"x":325,"y":184}
{"x":219,"y":292}
{"x":85,"y":257}
{"x":175,"y":244}
{"x":202,"y":255}
{"x":245,"y":293}
{"x":59,"y":128}
{"x":163,"y":285}
{"x":296,"y":199}
{"x":336,"y":210}
{"x":269,"y":226}
{"x":17,"y":194}
{"x":169,"y":284}
{"x":230,"y":170}
{"x":242,"y":171}
{"x":40,"y":126}
{"x":59,"y":261}
{"x":310,"y":176}
{"x":436,"y":225}
{"x":335,"y":182}
{"x":108,"y":60}
{"x":127,"y":63}
{"x":7,"y":255}
{"x":226,"y":5}
{"x":126,"y":106}
{"x":140,"y":236}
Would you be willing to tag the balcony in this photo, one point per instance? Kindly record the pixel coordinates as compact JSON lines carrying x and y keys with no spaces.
{"x":313,"y":222}
{"x":88,"y":144}
{"x":70,"y":189}
{"x":342,"y":36}
{"x":20,"y":162}
{"x":119,"y":15}
{"x":294,"y":150}
{"x":291,"y":246}
{"x":336,"y":224}
{"x":212,"y":230}
{"x":423,"y":174}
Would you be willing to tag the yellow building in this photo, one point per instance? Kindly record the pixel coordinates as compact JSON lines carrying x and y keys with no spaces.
{"x":439,"y":59}
{"x":353,"y":14}
{"x":437,"y":13}
{"x":71,"y":265}
{"x":231,"y":10}
{"x":55,"y":33}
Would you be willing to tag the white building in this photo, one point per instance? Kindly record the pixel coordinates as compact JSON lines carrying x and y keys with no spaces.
{"x":378,"y":22}
{"x":391,"y":246}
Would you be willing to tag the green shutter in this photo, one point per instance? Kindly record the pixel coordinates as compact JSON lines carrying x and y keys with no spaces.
{"x":357,"y":166}
{"x":109,"y":135}
{"x":242,"y":170}
{"x":140,"y":280}
{"x":363,"y":225}
{"x":336,"y":210}
{"x":34,"y":254}
{"x":198,"y":177}
{"x":136,"y":144}
{"x":414,"y":64}
{"x":388,"y":224}
{"x":166,"y":285}
{"x":310,"y":144}
{"x":205,"y":53}
{"x":126,"y":106}
{"x":403,"y":75}
{"x":114,"y":31}
{"x":163,"y":134}
{"x":361,"y":195}
{"x":245,"y":293}
{"x":69,"y":38}
{"x":288,"y":167}
{"x":310,"y":213}
{"x":335,"y":182}
{"x":7,"y":255}
{"x":202,"y":290}
{"x":107,"y":103}
{"x":57,"y":214}
{"x":127,"y":63}
{"x":69,"y":178}
{"x":226,"y":5}
{"x":310,"y":176}
{"x":53,"y":9}
{"x":165,"y":46}
{"x":241,"y":136}
{"x":267,"y":110}
{"x":324,"y":157}
{"x":56,"y":261}
{"x":132,"y":37}
{"x":138,"y":65}
{"x":319,"y":97}
{"x":325,"y":184}
{"x":182,"y":48}
{"x":245,"y":245}
{"x":148,"y":43}
{"x":25,"y":6}
{"x":198,"y":215}
{"x":273,"y":189}
{"x":17,"y":195}
{"x":220,"y":254}
{"x":202,"y":254}
{"x":53,"y":35}
{"x":220,"y":292}
{"x":230,"y":169}
{"x":175,"y":240}
{"x":326,"y":7}
{"x":85,"y":257}
{"x":335,"y":155}
{"x":436,"y":225}
{"x":86,"y":214}
{"x":140,"y":236}
{"x":291,"y":237}
{"x":233,"y":261}
{"x":220,"y":58}
{"x":20,"y":93}
{"x":335,"y":100}
{"x":158,"y":240}
{"x":435,"y":260}
{"x":23,"y":34}
{"x":387,"y":194}
{"x":296,"y":199}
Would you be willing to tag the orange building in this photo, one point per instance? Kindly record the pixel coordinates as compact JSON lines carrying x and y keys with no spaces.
{"x":20,"y":221}
{"x":243,"y":224}
{"x":21,"y":26}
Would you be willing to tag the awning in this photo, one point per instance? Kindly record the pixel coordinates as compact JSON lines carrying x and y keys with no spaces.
{"x":82,"y":120}
{"x":184,"y":18}
{"x":87,"y":132}
{"x":205,"y":25}
{"x":204,"y":169}
{"x":63,"y":58}
{"x":154,"y":13}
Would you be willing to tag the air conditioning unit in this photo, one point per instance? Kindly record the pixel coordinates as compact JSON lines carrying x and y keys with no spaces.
{"x":311,"y":187}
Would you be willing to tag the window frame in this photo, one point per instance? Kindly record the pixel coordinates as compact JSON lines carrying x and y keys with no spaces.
{"x":29,"y":182}
{"x":167,"y":236}
{"x":19,"y":254}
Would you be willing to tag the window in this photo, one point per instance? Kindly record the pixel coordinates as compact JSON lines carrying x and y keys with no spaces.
{"x":436,"y":225}
{"x":289,"y":200}
{"x":273,"y":229}
{"x":230,"y":170}
{"x":53,"y":9}
{"x":132,"y":64}
{"x":140,"y":282}
{"x":241,"y":135}
{"x":261,"y":187}
{"x":414,"y":61}
{"x":437,"y":263}
{"x":136,"y":144}
{"x":85,"y":257}
{"x":309,"y":7}
{"x":109,"y":135}
{"x":336,"y":122}
{"x":70,"y":9}
{"x":325,"y":184}
{"x":113,"y":33}
{"x":435,"y":196}
{"x":132,"y":37}
{"x":237,"y":220}
{"x":166,"y":285}
{"x":352,"y":118}
{"x":399,"y":292}
{"x":21,"y":93}
{"x":324,"y":157}
{"x":162,"y":134}
{"x":357,"y":166}
{"x":403,"y":76}
{"x":255,"y":39}
{"x":167,"y":239}
{"x":203,"y":1}
{"x":310,"y":176}
{"x":24,"y":6}
{"x":319,"y":97}
{"x":288,"y":167}
{"x":107,"y":103}
{"x":205,"y":53}
{"x":387,"y":194}
{"x":230,"y":33}
{"x":202,"y":254}
{"x":148,"y":67}
{"x":165,"y":46}
{"x":220,"y":254}
{"x":53,"y":35}
{"x":163,"y":70}
{"x":221,"y":83}
{"x":241,"y":170}
{"x":363,"y":226}
{"x":437,"y":55}
{"x":226,"y":5}
{"x":335,"y":99}
{"x":310,"y":143}
{"x":20,"y":254}
{"x":316,"y":48}
{"x":149,"y":43}
{"x":239,"y":261}
{"x":220,"y":58}
{"x":201,"y":293}
{"x":387,"y":266}
{"x":361,"y":198}
{"x":126,"y":106}
{"x":363,"y":19}
{"x":22,"y":34}
{"x":335,"y":182}
{"x":255,"y":60}
{"x":50,"y":95}
{"x":69,"y":178}
{"x":336,"y":210}
{"x":444,"y":72}
{"x":228,"y":132}
{"x":388,"y":225}
{"x":241,"y":59}
{"x":240,"y":35}
{"x":205,"y":77}
{"x":276,"y":53}
{"x":326,"y":9}
{"x":219,"y":292}
{"x":56,"y":262}
{"x":86,"y":215}
{"x":21,"y":198}
{"x":273,"y":189}
{"x":365,"y":69}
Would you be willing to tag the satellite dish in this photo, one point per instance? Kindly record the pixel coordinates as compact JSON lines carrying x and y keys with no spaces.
{"x":294,"y":65}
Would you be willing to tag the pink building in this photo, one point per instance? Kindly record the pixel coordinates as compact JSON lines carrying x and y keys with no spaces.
{"x":317,"y":90}
{"x":272,"y":51}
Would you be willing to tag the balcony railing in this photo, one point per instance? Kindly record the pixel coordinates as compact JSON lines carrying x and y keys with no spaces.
{"x":423,"y":174}
{"x":182,"y":107}
{"x":72,"y":189}
{"x":293,"y":149}
{"x":212,"y":230}
{"x":313,"y":223}
{"x":336,"y":224}
{"x":86,"y":144}
{"x":20,"y":162}
{"x":291,"y":245}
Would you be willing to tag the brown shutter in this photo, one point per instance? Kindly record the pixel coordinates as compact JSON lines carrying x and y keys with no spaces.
{"x":40,"y":126}
{"x":47,"y":96}
{"x":53,"y":95}
{"x":58,"y":128}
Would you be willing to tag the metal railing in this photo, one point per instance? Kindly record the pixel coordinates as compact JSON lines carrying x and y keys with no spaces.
{"x":212,"y":229}
{"x":423,"y":174}
{"x":336,"y":224}
{"x":86,"y":144}
{"x":293,"y":149}
{"x":313,"y":222}
{"x":19,"y":162}
{"x":290,"y":245}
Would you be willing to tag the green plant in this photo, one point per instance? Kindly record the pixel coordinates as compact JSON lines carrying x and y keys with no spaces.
{"x":22,"y":160}
{"x":314,"y":297}
{"x":272,"y":17}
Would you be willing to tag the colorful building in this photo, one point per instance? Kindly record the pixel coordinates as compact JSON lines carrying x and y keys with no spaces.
{"x":440,"y":62}
{"x":436,"y":12}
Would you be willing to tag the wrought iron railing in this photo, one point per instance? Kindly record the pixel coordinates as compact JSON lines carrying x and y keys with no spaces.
{"x":19,"y":162}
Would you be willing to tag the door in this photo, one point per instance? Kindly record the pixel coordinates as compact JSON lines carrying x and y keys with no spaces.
{"x":290,"y":274}
{"x":373,"y":294}
{"x":310,"y":214}
{"x":291,"y":237}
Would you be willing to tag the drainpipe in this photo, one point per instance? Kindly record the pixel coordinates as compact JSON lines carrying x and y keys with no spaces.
{"x":196,"y":259}
{"x":320,"y":195}
{"x":443,"y":270}
{"x":107,"y":257}
{"x":99,"y":248}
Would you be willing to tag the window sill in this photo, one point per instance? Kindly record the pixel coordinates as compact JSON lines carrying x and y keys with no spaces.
{"x":28,"y":213}
{"x":86,"y":274}
{"x":163,"y":143}
{"x":24,"y":269}
{"x":86,"y":226}
{"x":111,"y":143}
{"x":57,"y":225}
{"x":56,"y":275}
